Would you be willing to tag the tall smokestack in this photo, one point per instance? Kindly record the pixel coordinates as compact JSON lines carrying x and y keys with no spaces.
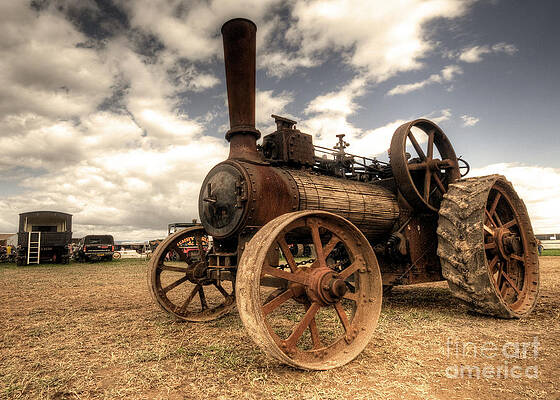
{"x":239,"y":56}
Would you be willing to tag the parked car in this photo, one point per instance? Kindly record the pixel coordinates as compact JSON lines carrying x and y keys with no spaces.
{"x":128,"y":253}
{"x":95,"y":247}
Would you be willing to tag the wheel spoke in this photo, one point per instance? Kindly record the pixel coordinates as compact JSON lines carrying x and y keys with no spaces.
{"x":278,"y":273}
{"x":518,"y":258}
{"x":165,"y":267}
{"x":174,"y":284}
{"x":292,"y":340}
{"x":222,"y":290}
{"x":497,"y":218}
{"x":489,"y":216}
{"x":315,"y":339}
{"x":510,"y":281}
{"x":342,"y":316}
{"x":495,"y":203}
{"x":189,"y":299}
{"x":431,"y":144}
{"x":317,"y":242}
{"x":439,"y":184}
{"x":349,"y":270}
{"x":493,"y":263}
{"x":416,"y":146}
{"x":489,"y":246}
{"x":287,"y":253}
{"x":203,"y":302}
{"x":329,"y":247}
{"x":509,"y":224}
{"x":427,"y":179}
{"x":499,"y":277}
{"x":277,"y":301}
{"x":488,"y":230}
{"x":351,"y":296}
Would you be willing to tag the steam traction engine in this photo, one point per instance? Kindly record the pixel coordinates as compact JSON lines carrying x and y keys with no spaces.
{"x":365,"y":225}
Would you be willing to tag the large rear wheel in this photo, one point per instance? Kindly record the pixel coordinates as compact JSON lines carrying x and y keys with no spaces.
{"x":487,"y":247}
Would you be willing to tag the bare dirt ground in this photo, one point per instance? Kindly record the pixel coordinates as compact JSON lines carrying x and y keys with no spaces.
{"x":92,"y":331}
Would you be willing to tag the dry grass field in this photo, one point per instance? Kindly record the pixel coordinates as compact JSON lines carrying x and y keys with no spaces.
{"x":92,"y":331}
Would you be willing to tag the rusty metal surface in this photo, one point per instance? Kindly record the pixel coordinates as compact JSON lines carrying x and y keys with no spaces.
{"x":237,"y":194}
{"x":423,"y":180}
{"x":350,"y":289}
{"x":239,"y":37}
{"x":183,"y":287}
{"x":373,"y":209}
{"x":288,"y":145}
{"x":419,"y":244}
{"x":487,"y":247}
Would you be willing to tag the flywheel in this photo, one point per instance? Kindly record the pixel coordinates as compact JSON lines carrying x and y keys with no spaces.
{"x":423,"y":164}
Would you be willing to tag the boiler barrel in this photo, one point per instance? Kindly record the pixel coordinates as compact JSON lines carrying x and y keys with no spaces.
{"x":373,"y":209}
{"x":238,"y":194}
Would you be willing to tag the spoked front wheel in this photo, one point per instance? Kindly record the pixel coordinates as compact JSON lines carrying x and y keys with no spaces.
{"x":313,"y":313}
{"x":181,"y":285}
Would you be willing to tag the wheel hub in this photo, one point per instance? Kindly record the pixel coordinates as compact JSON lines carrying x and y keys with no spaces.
{"x":507,"y":242}
{"x":434,"y":164}
{"x":325,"y":286}
{"x":197,"y":273}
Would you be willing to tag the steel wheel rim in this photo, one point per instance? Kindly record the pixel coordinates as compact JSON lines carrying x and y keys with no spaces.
{"x":199,"y":290}
{"x":357,"y":326}
{"x":512,"y":272}
{"x":422,"y":183}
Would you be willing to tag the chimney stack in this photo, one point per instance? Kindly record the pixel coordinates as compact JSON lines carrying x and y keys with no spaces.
{"x":239,"y":36}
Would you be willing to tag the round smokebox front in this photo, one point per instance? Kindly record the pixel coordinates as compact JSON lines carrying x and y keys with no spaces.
{"x":222,"y":203}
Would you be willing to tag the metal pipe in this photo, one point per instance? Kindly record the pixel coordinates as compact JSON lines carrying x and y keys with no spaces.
{"x":239,"y":37}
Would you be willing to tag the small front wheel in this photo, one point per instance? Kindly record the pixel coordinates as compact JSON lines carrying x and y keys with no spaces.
{"x":180,"y":284}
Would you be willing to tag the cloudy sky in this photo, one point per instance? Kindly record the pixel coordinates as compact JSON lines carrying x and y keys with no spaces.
{"x":114,"y":111}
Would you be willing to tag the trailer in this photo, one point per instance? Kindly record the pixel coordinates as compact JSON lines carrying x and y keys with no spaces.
{"x":44,"y":236}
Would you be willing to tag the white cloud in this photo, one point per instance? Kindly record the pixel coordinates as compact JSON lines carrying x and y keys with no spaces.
{"x":446,"y":75}
{"x":125,"y":193}
{"x":469,"y":120}
{"x":537,"y":186}
{"x":136,"y":163}
{"x":378,"y":38}
{"x":32,"y":79}
{"x":135,"y":166}
{"x":444,"y":115}
{"x":268,"y":103}
{"x":475,"y":54}
{"x":191,"y":30}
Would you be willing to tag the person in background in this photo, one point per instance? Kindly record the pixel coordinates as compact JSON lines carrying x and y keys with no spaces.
{"x":539,"y":247}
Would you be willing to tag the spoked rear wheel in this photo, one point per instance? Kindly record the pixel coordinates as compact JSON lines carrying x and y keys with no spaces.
{"x":180,"y":284}
{"x":487,"y":247}
{"x":311,"y":313}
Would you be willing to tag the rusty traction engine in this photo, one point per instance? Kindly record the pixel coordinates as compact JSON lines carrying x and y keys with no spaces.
{"x":306,"y":238}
